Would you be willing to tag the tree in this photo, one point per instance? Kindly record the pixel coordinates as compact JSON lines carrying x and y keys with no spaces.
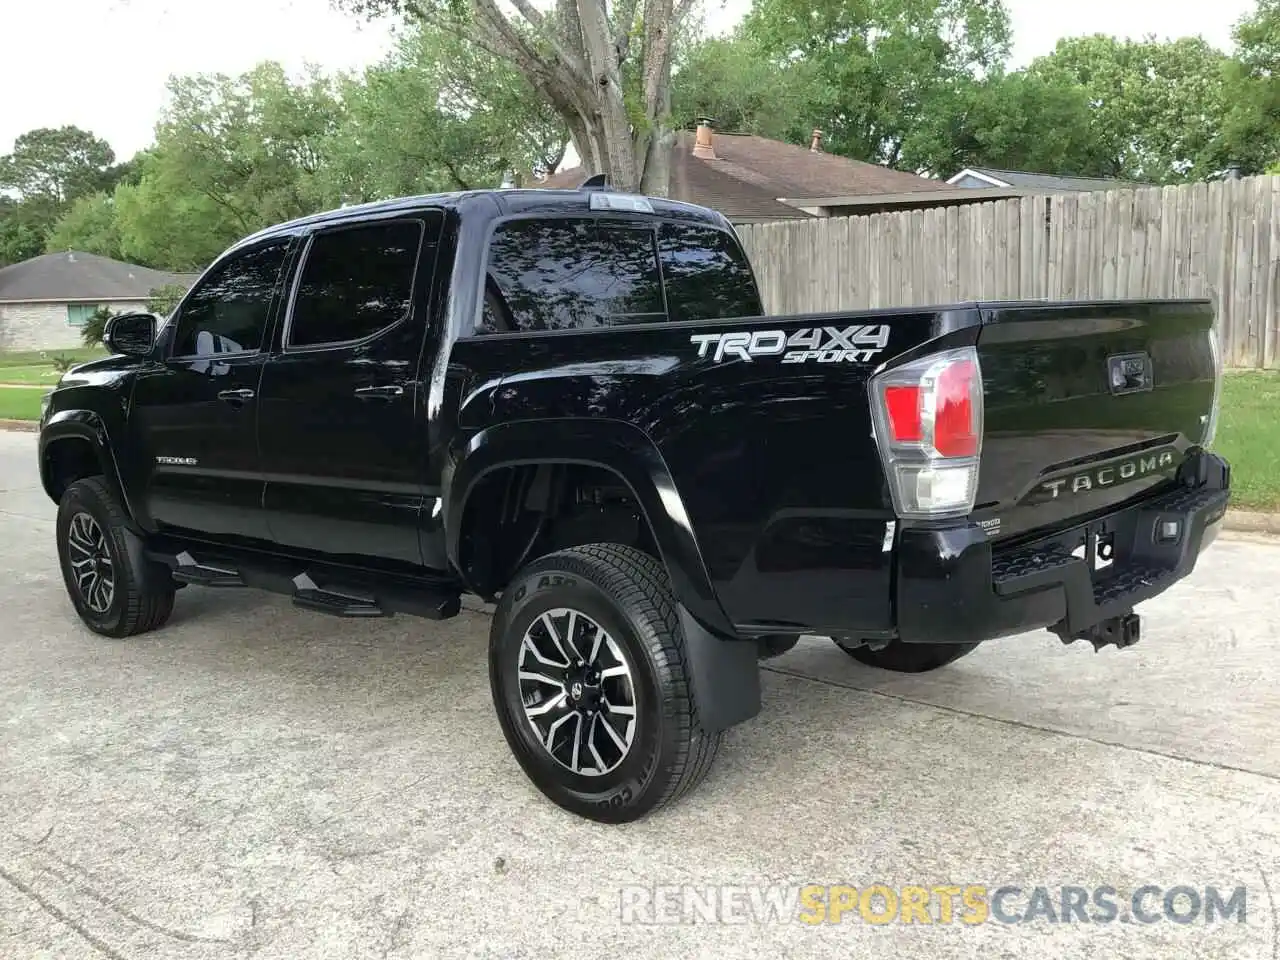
{"x":1251,"y":128}
{"x":23,"y":225}
{"x":89,"y":225}
{"x":1012,"y":121}
{"x":1156,"y":106}
{"x":163,"y":299}
{"x":57,"y":165}
{"x":438,"y":114}
{"x":882,"y":66}
{"x":605,"y":69}
{"x":732,"y":80}
{"x":232,"y":155}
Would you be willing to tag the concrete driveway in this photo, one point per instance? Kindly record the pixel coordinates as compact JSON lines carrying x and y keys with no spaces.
{"x":258,"y":781}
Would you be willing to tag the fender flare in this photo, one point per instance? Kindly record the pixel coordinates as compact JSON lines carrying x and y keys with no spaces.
{"x":89,"y":426}
{"x":613,"y":445}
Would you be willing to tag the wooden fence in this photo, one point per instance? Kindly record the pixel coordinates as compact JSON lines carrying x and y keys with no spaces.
{"x":1216,"y":240}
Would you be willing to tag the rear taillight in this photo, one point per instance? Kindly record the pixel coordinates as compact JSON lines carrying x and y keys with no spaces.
{"x":929,"y":429}
{"x":1211,"y":425}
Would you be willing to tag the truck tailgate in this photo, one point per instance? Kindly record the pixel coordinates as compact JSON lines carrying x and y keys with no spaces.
{"x":1088,"y":405}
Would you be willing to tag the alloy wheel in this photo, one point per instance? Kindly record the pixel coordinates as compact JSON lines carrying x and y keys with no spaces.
{"x":91,"y":564}
{"x":578,"y":692}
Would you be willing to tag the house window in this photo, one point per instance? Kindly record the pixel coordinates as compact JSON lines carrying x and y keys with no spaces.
{"x":78,"y":314}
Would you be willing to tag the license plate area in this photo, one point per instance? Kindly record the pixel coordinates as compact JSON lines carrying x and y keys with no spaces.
{"x":1096,"y":547}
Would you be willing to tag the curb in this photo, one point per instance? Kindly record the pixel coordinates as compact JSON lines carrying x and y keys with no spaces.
{"x":21,"y":426}
{"x":1248,"y":521}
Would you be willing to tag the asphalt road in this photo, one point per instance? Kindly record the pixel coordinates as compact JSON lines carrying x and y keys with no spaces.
{"x":259,"y":781}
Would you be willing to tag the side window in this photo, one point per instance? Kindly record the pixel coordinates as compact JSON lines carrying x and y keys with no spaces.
{"x":228,"y":310}
{"x":355,"y":281}
{"x":707,"y":275}
{"x":572,"y":274}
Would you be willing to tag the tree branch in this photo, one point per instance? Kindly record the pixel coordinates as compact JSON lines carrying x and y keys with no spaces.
{"x":624,"y":19}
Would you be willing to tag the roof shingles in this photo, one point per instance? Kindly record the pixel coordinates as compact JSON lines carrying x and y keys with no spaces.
{"x":751,"y":174}
{"x":74,"y":276}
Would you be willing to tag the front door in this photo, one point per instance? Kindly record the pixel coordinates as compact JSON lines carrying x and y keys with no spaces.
{"x":195,"y":407}
{"x":343,"y":447}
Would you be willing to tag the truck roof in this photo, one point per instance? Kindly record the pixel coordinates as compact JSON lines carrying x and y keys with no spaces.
{"x":503,"y":202}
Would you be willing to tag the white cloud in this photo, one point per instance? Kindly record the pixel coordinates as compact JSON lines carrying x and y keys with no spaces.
{"x":102,"y":64}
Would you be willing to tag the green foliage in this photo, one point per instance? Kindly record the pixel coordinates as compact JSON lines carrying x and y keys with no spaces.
{"x":63,"y":362}
{"x":94,"y":328}
{"x":47,"y":172}
{"x":56,"y":164}
{"x":1014,"y":121}
{"x":877,"y":68}
{"x":438,"y":114}
{"x":732,"y":80}
{"x":1155,"y":107}
{"x":1251,"y":128}
{"x":162,"y":300}
{"x":23,"y":225}
{"x":89,"y":225}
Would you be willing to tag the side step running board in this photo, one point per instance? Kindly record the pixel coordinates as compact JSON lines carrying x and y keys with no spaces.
{"x":326,"y":588}
{"x":189,"y":571}
{"x":338,"y":603}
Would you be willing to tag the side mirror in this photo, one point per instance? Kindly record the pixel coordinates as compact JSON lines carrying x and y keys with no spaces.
{"x":133,"y":334}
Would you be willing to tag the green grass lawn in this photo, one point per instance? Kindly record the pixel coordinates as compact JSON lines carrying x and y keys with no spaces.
{"x":20,"y":404}
{"x":1249,"y":437}
{"x":41,"y":374}
{"x":29,"y":358}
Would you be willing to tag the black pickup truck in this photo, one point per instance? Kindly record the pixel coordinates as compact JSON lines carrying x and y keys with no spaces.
{"x":570,"y":403}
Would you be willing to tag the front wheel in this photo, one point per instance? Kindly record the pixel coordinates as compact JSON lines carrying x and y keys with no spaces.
{"x":589,"y":678}
{"x":116,"y":593}
{"x":909,"y":657}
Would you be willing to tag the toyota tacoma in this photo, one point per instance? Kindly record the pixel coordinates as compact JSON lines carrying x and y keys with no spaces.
{"x":570,"y":403}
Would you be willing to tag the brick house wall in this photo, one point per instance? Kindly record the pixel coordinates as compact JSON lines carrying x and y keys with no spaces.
{"x":44,"y":326}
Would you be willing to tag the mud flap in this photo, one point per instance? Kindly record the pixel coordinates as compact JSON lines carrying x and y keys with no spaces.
{"x":724,"y":674}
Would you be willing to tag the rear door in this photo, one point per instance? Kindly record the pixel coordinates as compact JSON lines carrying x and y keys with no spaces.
{"x":343,"y":449}
{"x":1089,"y":405}
{"x":195,"y":408}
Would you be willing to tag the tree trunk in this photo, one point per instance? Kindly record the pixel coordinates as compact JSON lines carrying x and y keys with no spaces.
{"x":614,"y":133}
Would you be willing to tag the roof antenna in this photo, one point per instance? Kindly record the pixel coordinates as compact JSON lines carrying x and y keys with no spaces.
{"x":597,"y":182}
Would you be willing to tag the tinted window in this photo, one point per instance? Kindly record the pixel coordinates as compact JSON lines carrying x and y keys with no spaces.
{"x":569,"y":274}
{"x":354,"y":283}
{"x":227,"y":312}
{"x":707,"y":275}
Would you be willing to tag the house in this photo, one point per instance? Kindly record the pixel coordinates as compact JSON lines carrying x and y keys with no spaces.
{"x":752,"y":179}
{"x":45,"y":300}
{"x":985,"y":178}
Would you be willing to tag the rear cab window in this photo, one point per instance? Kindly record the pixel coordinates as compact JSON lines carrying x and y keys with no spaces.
{"x":356,"y":281}
{"x":586,"y":273}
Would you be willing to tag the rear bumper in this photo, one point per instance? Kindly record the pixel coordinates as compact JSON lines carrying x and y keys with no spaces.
{"x":953,"y":586}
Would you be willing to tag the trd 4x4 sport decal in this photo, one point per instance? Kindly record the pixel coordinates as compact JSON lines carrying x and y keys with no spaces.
{"x":857,"y":344}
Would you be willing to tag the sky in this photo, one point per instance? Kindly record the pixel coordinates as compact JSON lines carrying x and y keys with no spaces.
{"x":102,"y":64}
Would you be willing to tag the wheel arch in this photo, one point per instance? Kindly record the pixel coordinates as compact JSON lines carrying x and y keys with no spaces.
{"x":74,"y":444}
{"x":621,"y":450}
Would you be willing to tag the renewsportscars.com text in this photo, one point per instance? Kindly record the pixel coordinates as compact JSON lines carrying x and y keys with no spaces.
{"x":965,"y":904}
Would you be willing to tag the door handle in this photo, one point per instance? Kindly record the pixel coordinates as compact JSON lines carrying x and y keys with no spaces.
{"x":236,"y":396}
{"x":379,"y":393}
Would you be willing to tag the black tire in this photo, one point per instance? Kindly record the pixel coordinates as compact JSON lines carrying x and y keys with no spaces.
{"x":775,"y":645}
{"x":910,"y":657}
{"x":141,"y":597}
{"x":627,"y":594}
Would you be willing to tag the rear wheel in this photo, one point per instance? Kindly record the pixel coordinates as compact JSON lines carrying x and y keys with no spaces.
{"x":589,"y":677}
{"x":909,"y":657}
{"x":113,"y":595}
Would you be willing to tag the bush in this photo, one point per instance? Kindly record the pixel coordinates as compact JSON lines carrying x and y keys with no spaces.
{"x":62,"y":363}
{"x":164,"y":299}
{"x":94,"y":328}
